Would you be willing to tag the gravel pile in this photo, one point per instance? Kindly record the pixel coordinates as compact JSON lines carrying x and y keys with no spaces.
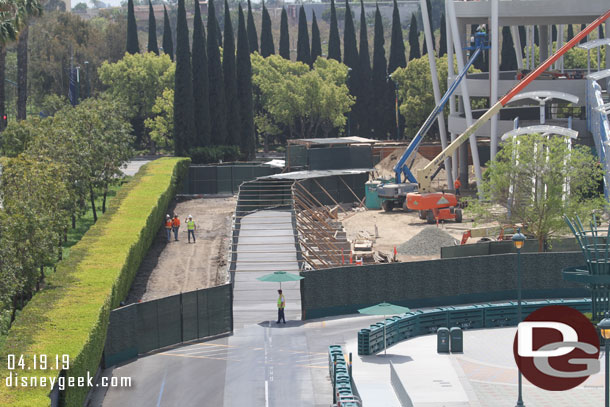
{"x":428,"y":242}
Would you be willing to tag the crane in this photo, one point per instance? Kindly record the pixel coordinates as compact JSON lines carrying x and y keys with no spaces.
{"x":394,"y":195}
{"x":441,"y":206}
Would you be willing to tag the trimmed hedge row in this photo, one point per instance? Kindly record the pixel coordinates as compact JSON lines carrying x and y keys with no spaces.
{"x":70,"y":316}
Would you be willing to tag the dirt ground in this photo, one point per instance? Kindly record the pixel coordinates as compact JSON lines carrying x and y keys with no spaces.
{"x":395,"y":228}
{"x":171,"y":268}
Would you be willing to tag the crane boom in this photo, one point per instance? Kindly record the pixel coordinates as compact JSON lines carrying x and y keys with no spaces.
{"x":423,"y":175}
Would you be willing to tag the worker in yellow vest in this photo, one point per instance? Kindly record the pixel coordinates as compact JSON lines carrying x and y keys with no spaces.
{"x":190,"y":227}
{"x":281,"y":304}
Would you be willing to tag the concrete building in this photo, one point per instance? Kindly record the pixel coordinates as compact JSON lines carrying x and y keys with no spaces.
{"x":496,"y":14}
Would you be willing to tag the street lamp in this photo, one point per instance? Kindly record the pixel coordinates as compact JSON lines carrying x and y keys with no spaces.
{"x":518,"y":240}
{"x":604,"y":329}
{"x":349,"y":114}
{"x":88,"y":81}
{"x":395,"y":104}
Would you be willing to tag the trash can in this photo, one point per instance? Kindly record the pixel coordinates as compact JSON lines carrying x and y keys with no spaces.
{"x":442,"y":340}
{"x":457,"y":339}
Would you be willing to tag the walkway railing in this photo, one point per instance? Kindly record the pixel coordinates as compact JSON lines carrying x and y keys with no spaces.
{"x":598,"y":123}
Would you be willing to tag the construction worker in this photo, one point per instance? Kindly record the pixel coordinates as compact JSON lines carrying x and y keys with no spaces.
{"x":191,"y":227}
{"x":168,"y":227}
{"x":281,"y":304}
{"x":457,"y":185}
{"x":176,"y":226}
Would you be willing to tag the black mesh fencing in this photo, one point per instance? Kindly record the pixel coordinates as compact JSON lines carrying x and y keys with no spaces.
{"x":222,"y":179}
{"x":146,"y":326}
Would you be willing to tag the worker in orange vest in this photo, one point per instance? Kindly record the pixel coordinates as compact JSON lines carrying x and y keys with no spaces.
{"x":176,"y":226}
{"x":168,"y":227}
{"x":457,"y":184}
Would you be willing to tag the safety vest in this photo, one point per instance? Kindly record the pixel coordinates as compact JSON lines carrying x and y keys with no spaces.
{"x":168,"y":224}
{"x":190,"y":224}
{"x":457,"y":184}
{"x":281,"y":300}
{"x":176,"y":223}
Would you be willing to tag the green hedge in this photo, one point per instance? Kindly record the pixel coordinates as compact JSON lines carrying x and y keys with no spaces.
{"x":70,"y":315}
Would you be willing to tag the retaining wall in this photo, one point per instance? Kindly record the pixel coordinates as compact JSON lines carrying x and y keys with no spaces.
{"x":344,"y":290}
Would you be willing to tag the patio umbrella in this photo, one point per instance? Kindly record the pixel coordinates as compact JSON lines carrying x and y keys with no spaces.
{"x":384,"y":309}
{"x":279,"y":277}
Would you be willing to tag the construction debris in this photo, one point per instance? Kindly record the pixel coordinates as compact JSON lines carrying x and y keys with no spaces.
{"x":428,"y":242}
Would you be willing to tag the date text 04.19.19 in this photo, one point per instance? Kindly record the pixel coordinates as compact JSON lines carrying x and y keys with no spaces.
{"x":38,"y":362}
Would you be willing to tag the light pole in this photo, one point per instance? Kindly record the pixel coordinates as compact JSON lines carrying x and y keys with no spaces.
{"x":395,"y":105}
{"x":88,"y":81}
{"x":518,"y":240}
{"x":604,"y":329}
{"x":349,"y":114}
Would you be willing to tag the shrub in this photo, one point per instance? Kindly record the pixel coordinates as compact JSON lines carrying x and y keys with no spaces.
{"x":71,"y":315}
{"x":214,"y":154}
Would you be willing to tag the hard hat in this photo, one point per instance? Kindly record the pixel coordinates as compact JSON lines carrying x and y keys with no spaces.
{"x":190,"y":216}
{"x":167,"y":216}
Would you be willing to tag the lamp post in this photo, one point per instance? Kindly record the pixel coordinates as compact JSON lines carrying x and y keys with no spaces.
{"x":604,"y":329}
{"x":88,"y":81}
{"x":349,"y":114}
{"x":518,"y":240}
{"x":395,"y":105}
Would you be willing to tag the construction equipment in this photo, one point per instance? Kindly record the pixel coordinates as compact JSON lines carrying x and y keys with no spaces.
{"x":426,"y":175}
{"x":393,"y":195}
{"x":435,"y":207}
{"x":497,"y":232}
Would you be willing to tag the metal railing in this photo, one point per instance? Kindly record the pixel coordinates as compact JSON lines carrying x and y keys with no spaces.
{"x":599,"y":126}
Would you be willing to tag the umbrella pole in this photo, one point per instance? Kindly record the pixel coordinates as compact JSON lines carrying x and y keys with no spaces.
{"x":385,"y":345}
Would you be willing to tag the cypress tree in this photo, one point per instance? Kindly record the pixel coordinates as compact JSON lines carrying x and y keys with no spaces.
{"x":334,"y":43}
{"x":600,"y":30}
{"x":267,"y":47}
{"x":570,"y":32}
{"x":247,"y":141}
{"x":152,"y":30}
{"x":380,"y":81}
{"x":350,"y":58}
{"x":522,"y":39}
{"x":218,"y":115}
{"x":582,"y":27}
{"x":397,"y":46}
{"x":424,"y":47}
{"x":316,"y":43}
{"x":230,"y":77}
{"x":168,"y":42}
{"x":413,"y":39}
{"x":303,"y":53}
{"x":429,"y":7}
{"x":252,"y":35}
{"x":184,"y":126}
{"x":442,"y":47}
{"x":363,"y":71}
{"x":553,"y":33}
{"x":284,"y":36}
{"x":201,"y":96}
{"x":133,"y":47}
{"x":536,"y":36}
{"x":508,"y":58}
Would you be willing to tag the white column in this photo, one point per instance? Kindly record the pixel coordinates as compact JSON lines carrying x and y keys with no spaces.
{"x":494,"y":75}
{"x":514,"y":32}
{"x":607,"y":47}
{"x":451,"y":74}
{"x":435,"y":87}
{"x":457,"y":43}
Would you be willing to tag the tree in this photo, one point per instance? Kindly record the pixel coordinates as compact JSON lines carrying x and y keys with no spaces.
{"x":161,"y":125}
{"x":168,"y":42}
{"x":414,"y":52}
{"x":334,"y":43}
{"x":363,"y":73}
{"x":252,"y":35}
{"x":80,"y":7}
{"x":442,"y":46}
{"x":133,"y":47}
{"x":218,"y":112}
{"x":429,"y":7}
{"x":284,"y":36}
{"x":300,"y":101}
{"x":382,"y":106}
{"x":201,"y":96}
{"x":316,"y":43}
{"x":539,"y":180}
{"x":267,"y":47}
{"x":184,"y":119}
{"x":138,"y":80}
{"x":230,"y":77}
{"x":509,"y":59}
{"x":350,"y":46}
{"x":303,"y":52}
{"x":397,"y":46}
{"x":152,"y":30}
{"x":570,"y":31}
{"x":554,"y":33}
{"x":247,"y":142}
{"x":600,"y":31}
{"x":582,"y":27}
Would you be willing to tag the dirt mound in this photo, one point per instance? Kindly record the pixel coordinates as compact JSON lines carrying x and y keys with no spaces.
{"x":385,"y":167}
{"x":428,"y":242}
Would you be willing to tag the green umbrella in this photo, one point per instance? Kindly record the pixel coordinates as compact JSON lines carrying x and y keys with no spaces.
{"x":279,"y":277}
{"x":384,"y":309}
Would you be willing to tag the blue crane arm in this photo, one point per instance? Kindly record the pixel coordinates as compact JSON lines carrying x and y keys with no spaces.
{"x":400,"y":167}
